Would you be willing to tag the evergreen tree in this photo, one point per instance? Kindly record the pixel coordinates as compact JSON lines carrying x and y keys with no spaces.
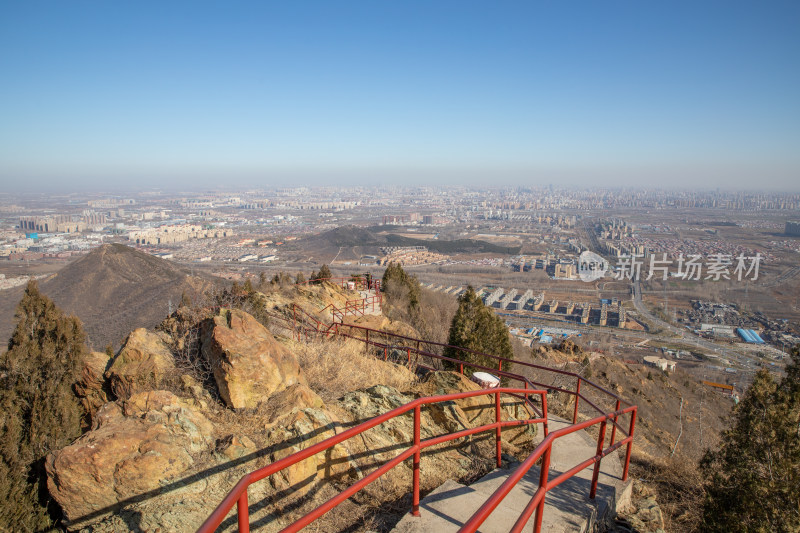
{"x":476,"y":327}
{"x":247,"y":288}
{"x":754,"y":476}
{"x":324,"y":273}
{"x":401,"y":289}
{"x":40,"y":412}
{"x":300,"y":278}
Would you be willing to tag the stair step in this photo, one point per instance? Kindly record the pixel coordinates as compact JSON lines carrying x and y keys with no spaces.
{"x":567,"y":506}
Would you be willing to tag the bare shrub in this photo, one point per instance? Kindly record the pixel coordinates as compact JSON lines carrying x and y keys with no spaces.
{"x":678,"y":486}
{"x":336,"y":367}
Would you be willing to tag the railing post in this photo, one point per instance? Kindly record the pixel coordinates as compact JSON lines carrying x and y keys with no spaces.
{"x":385,"y":353}
{"x":243,"y":513}
{"x":544,"y":413}
{"x":498,"y":431}
{"x":630,"y":445}
{"x":294,"y":320}
{"x":461,"y":366}
{"x":543,"y":474}
{"x":577,"y":399}
{"x":367,"y":341}
{"x":500,"y":365}
{"x":614,"y":426}
{"x":415,"y":501}
{"x":408,"y":350}
{"x":601,"y":439}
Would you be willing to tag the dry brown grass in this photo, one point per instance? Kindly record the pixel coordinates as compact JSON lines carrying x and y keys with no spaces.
{"x":335,"y":367}
{"x":678,"y":487}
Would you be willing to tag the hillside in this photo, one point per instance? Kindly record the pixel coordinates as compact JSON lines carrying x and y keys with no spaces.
{"x":674,"y":412}
{"x":372,"y":238}
{"x":114,"y":289}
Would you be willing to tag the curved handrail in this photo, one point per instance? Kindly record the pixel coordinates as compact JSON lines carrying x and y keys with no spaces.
{"x":334,"y":327}
{"x":579,"y":379}
{"x":238,"y":494}
{"x":543,"y":451}
{"x":496,"y":357}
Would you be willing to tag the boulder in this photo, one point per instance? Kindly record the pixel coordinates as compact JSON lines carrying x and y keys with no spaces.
{"x":378,"y":445}
{"x":476,"y":410}
{"x":91,"y":387}
{"x":142,"y":363}
{"x":301,"y":429}
{"x":235,"y":446}
{"x":135,"y":447}
{"x":249,"y":365}
{"x":284,"y":403}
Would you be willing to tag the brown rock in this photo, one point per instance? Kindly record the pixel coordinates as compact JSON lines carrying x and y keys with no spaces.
{"x":476,"y":410}
{"x":144,"y":361}
{"x":91,"y":387}
{"x":302,"y":429}
{"x":135,"y":447}
{"x":283,"y":403}
{"x":249,"y":364}
{"x":235,"y":446}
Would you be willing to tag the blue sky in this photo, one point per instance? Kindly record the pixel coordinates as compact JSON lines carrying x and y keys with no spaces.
{"x":263,"y":93}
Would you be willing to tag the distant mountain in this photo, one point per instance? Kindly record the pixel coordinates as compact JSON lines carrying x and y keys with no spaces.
{"x":377,"y":236}
{"x":344,"y":236}
{"x":113,"y":290}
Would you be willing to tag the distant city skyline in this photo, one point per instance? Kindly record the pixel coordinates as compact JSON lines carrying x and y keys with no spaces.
{"x":211,"y":95}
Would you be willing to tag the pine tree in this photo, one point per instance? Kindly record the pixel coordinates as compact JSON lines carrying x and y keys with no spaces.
{"x":247,"y":288}
{"x":754,"y":476}
{"x":401,"y":289}
{"x":39,"y":411}
{"x":324,"y":273}
{"x":476,"y":327}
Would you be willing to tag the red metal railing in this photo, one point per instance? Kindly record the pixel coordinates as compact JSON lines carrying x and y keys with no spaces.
{"x":238,"y":495}
{"x":543,"y":451}
{"x":416,"y":348}
{"x":310,"y":325}
{"x":364,"y":282}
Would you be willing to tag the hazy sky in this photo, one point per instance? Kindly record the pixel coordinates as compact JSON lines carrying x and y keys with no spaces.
{"x":179,"y":93}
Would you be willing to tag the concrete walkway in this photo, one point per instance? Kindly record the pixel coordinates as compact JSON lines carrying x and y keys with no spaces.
{"x":369,"y":308}
{"x":567,"y":507}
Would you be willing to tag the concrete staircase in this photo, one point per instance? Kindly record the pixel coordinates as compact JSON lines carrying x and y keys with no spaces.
{"x":567,"y":507}
{"x":368,"y":310}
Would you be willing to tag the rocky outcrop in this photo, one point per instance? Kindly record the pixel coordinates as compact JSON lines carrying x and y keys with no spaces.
{"x":91,"y":387}
{"x":249,"y":365}
{"x":142,"y":363}
{"x":134,"y":448}
{"x":642,"y":515}
{"x":284,"y":403}
{"x":476,"y":410}
{"x":301,"y":429}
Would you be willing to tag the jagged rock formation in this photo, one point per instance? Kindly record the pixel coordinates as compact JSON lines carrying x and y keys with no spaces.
{"x":163,"y":459}
{"x":92,"y":388}
{"x":134,"y":447}
{"x":144,"y":361}
{"x":249,"y":365}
